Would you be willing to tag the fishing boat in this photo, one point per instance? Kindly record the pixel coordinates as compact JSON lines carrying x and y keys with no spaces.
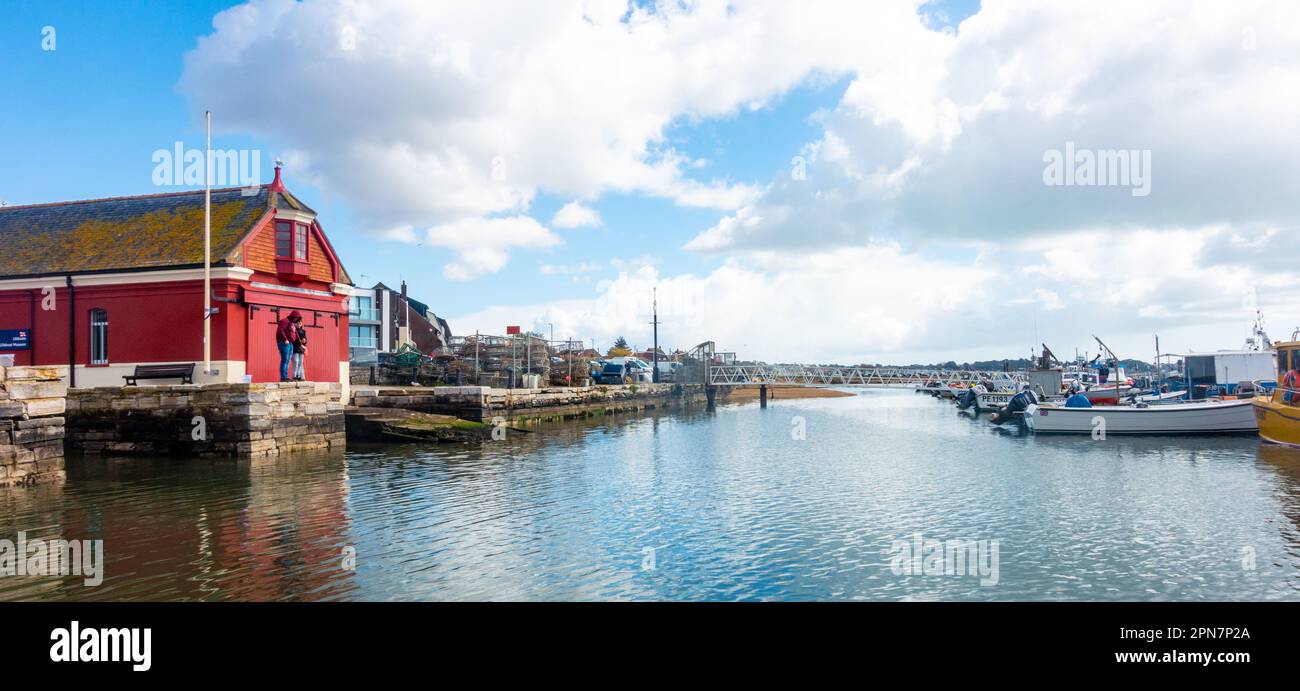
{"x":1215,"y":374}
{"x":1103,"y":379}
{"x":1277,"y":411}
{"x":1109,"y":394}
{"x":1211,"y":416}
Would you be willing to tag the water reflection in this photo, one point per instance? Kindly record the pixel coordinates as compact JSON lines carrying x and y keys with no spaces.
{"x":700,"y":505}
{"x":193,"y":529}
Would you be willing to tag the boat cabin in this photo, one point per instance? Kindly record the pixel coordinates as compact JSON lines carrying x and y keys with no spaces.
{"x":1276,"y":411}
{"x":1223,"y":371}
{"x":1288,"y":358}
{"x":1089,"y":376}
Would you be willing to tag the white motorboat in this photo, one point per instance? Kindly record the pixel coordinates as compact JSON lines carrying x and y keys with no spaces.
{"x":997,"y":400}
{"x":993,"y":400}
{"x":1205,"y":417}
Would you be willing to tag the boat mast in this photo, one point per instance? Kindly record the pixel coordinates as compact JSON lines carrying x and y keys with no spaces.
{"x":1114,"y":358}
{"x":1160,"y":372}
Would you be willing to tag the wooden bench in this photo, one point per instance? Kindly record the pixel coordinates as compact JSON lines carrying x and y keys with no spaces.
{"x":183,"y":372}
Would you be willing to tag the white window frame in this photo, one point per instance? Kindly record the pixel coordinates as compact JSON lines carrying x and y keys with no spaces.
{"x":98,"y":337}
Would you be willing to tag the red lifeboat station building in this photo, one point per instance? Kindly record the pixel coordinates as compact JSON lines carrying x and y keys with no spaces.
{"x":107,"y":284}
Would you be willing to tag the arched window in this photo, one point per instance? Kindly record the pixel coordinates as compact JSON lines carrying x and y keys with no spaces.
{"x":98,"y":337}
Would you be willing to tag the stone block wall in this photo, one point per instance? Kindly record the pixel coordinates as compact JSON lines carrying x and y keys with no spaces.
{"x":235,"y":420}
{"x":481,"y":403}
{"x":32,"y":401}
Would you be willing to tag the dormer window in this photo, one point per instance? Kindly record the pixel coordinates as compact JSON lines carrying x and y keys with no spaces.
{"x":291,"y":261}
{"x":291,"y":240}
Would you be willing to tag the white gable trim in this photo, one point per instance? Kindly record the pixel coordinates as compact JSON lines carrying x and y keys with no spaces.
{"x":233,"y":273}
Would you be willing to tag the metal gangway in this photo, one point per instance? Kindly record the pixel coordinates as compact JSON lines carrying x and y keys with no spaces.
{"x":835,"y":375}
{"x":705,"y":365}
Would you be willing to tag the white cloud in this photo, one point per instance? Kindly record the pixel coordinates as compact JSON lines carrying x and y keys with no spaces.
{"x":770,"y":305}
{"x":454,"y":117}
{"x":575,"y":215}
{"x":423,"y":113}
{"x":881,"y":303}
{"x":481,"y":244}
{"x":951,"y":144}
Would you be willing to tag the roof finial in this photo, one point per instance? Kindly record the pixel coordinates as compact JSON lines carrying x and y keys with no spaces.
{"x":277,"y":184}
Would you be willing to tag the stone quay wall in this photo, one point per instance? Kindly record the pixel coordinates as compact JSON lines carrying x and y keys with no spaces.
{"x":32,"y":401}
{"x":234,"y":420}
{"x":482,"y":403}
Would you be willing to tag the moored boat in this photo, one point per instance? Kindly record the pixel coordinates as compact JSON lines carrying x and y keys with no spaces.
{"x":1108,"y":394}
{"x":1045,"y":381}
{"x":993,"y":400}
{"x":1018,"y":406}
{"x":1206,"y":417}
{"x":1277,"y":411}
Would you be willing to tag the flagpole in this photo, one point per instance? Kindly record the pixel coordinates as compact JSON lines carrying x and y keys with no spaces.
{"x":207,"y":246}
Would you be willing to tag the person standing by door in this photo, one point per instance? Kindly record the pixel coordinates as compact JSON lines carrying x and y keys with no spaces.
{"x":286,"y":334}
{"x":300,"y":353}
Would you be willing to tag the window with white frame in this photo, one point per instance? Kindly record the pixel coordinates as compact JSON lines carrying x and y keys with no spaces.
{"x":98,"y":337}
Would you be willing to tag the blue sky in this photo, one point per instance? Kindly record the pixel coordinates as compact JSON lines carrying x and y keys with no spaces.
{"x":876,"y":99}
{"x":85,"y":118}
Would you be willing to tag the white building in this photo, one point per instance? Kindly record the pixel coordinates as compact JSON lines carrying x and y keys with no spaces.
{"x":382,"y":319}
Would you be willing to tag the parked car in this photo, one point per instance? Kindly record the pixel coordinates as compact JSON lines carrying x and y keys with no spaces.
{"x":641,"y":371}
{"x":624,"y":371}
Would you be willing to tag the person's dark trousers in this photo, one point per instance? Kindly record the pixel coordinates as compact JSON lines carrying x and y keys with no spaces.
{"x":286,"y":352}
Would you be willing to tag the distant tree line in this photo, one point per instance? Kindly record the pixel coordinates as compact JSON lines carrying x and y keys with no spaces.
{"x":1130,"y":365}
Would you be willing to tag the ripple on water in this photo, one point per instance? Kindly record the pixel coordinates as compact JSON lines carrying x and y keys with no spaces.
{"x":728,"y":505}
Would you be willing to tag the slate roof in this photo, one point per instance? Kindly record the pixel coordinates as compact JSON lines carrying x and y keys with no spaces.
{"x":124,"y":233}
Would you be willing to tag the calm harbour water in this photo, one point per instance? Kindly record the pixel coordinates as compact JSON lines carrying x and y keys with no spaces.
{"x":691,"y":506}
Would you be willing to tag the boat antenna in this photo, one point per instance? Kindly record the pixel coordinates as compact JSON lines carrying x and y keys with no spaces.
{"x":1258,"y":336}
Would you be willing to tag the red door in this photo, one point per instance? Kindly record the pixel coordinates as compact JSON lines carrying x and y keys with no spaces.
{"x":322,"y":360}
{"x":263,"y":355}
{"x":322,"y":363}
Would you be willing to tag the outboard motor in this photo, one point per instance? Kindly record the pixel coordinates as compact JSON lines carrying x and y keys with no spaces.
{"x":969,"y":397}
{"x":1018,"y":404}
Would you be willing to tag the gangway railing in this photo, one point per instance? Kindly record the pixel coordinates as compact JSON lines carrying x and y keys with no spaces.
{"x":835,"y":375}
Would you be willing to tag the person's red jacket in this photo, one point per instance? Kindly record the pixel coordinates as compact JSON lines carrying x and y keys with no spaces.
{"x":285,"y":330}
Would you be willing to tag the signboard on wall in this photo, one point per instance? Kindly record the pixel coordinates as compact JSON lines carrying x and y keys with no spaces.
{"x":15,"y":339}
